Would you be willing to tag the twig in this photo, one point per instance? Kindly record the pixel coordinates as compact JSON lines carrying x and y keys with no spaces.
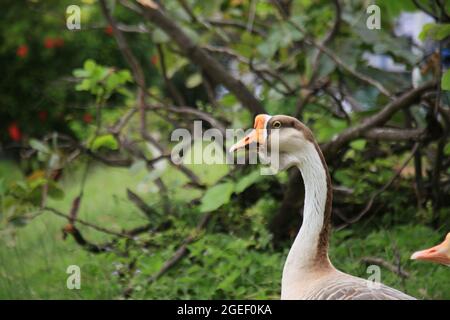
{"x":387,"y":265}
{"x":200,"y":57}
{"x":87,"y":224}
{"x":380,"y":191}
{"x":251,"y":15}
{"x":421,"y":7}
{"x":236,"y":24}
{"x":329,"y":36}
{"x":204,"y":23}
{"x":191,"y":111}
{"x":79,"y":238}
{"x":407,"y":99}
{"x":75,"y":208}
{"x":339,"y":62}
{"x":149,"y":212}
{"x":183,"y":249}
{"x":256,"y":69}
{"x":138,"y":76}
{"x":177,"y":96}
{"x":392,"y":134}
{"x":122,"y":121}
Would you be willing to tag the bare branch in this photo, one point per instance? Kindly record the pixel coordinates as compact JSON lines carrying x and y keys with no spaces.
{"x":236,"y":24}
{"x":381,"y":190}
{"x":183,"y":249}
{"x":79,"y":238}
{"x":329,"y":36}
{"x":387,"y":265}
{"x":177,"y":96}
{"x":405,"y":100}
{"x":421,"y":7}
{"x":259,"y":70}
{"x":138,"y":76}
{"x":87,"y":224}
{"x":392,"y":134}
{"x":200,"y":57}
{"x":149,"y":212}
{"x":339,"y":62}
{"x":122,"y":122}
{"x":195,"y":112}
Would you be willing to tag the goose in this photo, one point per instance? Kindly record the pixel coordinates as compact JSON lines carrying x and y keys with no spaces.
{"x":438,"y":254}
{"x":308,"y":272}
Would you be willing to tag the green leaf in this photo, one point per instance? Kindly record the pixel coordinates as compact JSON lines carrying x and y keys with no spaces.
{"x":343,"y":177}
{"x":115,"y":80}
{"x":216,"y":196}
{"x":80,"y":73}
{"x":85,"y":85}
{"x":159,"y":36}
{"x":125,"y":76}
{"x":247,"y":181}
{"x":54,"y":161}
{"x":435,"y":31}
{"x":194,"y":80}
{"x":445,"y":82}
{"x":229,"y":280}
{"x":55,"y":192}
{"x":177,"y":65}
{"x":89,"y":65}
{"x":358,"y":144}
{"x":106,"y":141}
{"x":2,"y":186}
{"x":39,"y":146}
{"x":447,"y":149}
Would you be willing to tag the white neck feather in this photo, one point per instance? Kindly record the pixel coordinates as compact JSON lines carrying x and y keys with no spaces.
{"x":301,"y":257}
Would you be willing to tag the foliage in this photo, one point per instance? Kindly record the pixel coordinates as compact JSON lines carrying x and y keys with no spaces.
{"x":85,"y":145}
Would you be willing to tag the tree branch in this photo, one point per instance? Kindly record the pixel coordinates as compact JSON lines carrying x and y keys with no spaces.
{"x":339,"y":62}
{"x":201,"y":58}
{"x":149,"y":212}
{"x":329,"y":36}
{"x":410,"y":97}
{"x":387,"y":265}
{"x":87,"y":224}
{"x":79,"y":238}
{"x":392,"y":134}
{"x":381,"y":190}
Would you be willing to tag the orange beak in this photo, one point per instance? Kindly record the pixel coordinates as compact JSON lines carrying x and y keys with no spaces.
{"x":438,"y":254}
{"x":257,"y":135}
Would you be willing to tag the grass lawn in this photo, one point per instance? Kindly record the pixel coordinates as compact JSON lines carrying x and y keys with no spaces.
{"x":34,"y":258}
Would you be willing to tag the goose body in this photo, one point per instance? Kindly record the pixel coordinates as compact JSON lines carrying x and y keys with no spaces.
{"x":308,"y":272}
{"x":336,"y":285}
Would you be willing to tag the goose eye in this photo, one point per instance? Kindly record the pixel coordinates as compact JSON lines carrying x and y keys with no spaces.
{"x":276,"y":124}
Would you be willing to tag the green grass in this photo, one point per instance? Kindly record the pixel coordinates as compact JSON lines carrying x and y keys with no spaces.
{"x":34,"y":258}
{"x":426,"y":280}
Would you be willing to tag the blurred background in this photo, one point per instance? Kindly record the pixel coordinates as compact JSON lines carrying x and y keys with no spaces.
{"x":91,"y":91}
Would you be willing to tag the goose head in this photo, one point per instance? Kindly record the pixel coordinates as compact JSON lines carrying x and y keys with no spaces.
{"x":279,"y":138}
{"x":438,"y":254}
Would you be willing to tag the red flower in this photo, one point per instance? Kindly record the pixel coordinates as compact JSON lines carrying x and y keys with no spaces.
{"x":154,"y":59}
{"x":14,"y":132}
{"x":42,"y":115}
{"x":58,"y":42}
{"x":22,"y":51}
{"x":87,"y":118}
{"x":109,"y":30}
{"x":49,"y":43}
